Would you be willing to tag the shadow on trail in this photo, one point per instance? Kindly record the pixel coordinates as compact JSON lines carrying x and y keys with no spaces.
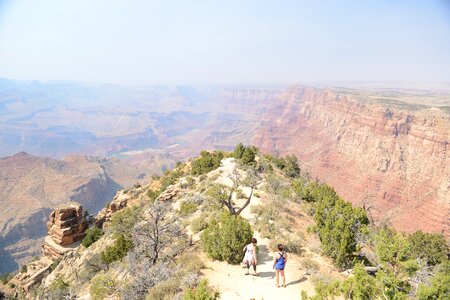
{"x":267,"y":274}
{"x":263,"y":254}
{"x":297,"y":281}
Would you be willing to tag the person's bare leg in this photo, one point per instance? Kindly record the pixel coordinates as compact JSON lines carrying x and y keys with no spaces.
{"x":254,"y":270}
{"x":248,"y":268}
{"x":277,"y":273}
{"x":283,"y":278}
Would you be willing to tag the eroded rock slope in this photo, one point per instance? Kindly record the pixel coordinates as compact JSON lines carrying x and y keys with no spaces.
{"x":393,"y":159}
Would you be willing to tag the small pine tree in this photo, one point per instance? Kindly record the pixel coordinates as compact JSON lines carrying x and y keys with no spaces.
{"x":206,"y":162}
{"x":360,"y":286}
{"x":102,"y":286}
{"x":428,"y":246}
{"x":291,"y":169}
{"x":248,"y":157}
{"x":439,"y":288}
{"x":92,"y":235}
{"x":117,"y":251}
{"x":238,"y":151}
{"x":225,"y":240}
{"x":201,"y":292}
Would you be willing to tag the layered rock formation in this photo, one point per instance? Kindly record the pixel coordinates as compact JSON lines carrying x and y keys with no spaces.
{"x":66,"y":226}
{"x":393,"y":159}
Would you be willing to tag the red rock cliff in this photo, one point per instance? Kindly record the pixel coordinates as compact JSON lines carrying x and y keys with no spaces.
{"x":393,"y":160}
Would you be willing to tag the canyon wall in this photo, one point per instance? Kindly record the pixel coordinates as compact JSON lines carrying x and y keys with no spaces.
{"x":393,"y":160}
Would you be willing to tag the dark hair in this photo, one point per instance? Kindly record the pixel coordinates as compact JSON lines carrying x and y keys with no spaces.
{"x":254,"y":241}
{"x":280,"y":247}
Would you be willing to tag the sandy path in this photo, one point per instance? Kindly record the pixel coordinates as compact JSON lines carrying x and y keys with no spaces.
{"x":230,"y":279}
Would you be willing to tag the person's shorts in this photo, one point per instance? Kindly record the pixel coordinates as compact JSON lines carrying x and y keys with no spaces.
{"x":279,"y":269}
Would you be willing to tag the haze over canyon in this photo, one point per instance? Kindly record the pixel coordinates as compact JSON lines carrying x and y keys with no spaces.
{"x":384,"y":149}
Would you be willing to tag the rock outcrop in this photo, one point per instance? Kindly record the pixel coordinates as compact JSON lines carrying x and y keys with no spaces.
{"x":66,"y":226}
{"x":35,"y":272}
{"x":169,"y":193}
{"x":119,"y":202}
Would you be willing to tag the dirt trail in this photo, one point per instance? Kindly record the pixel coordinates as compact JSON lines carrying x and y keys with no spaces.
{"x":231,"y":280}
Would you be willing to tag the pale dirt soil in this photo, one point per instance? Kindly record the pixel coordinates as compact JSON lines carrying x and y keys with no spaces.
{"x":231,"y":280}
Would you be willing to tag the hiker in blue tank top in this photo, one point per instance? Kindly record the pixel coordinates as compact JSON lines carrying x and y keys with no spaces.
{"x":279,"y":263}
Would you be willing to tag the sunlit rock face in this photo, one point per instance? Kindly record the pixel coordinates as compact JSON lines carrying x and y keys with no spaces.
{"x":392,"y":158}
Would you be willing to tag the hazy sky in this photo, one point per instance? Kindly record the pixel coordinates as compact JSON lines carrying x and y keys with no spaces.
{"x":201,"y":42}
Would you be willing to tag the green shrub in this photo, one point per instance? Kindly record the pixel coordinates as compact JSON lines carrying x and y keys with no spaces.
{"x":392,"y":285}
{"x":59,"y":288}
{"x":439,"y":288}
{"x":263,"y":165}
{"x":245,"y":154}
{"x":190,"y":263}
{"x":431,"y":247}
{"x":92,"y":235}
{"x":391,"y":247}
{"x":310,"y":265}
{"x":360,"y":286}
{"x":303,"y":189}
{"x":117,"y":251}
{"x":165,"y":290}
{"x":248,"y":157}
{"x":201,"y":292}
{"x":199,"y":224}
{"x":224,"y":240}
{"x":123,"y":221}
{"x":207,"y":162}
{"x":102,"y":286}
{"x":303,"y":295}
{"x":24,"y":269}
{"x":274,"y":184}
{"x":168,"y":179}
{"x":187,"y":208}
{"x":153,"y":194}
{"x":54,"y":264}
{"x":190,"y":183}
{"x":328,"y":290}
{"x":238,"y":151}
{"x":291,"y":243}
{"x":338,"y":225}
{"x":268,"y":218}
{"x":291,"y":168}
{"x":309,"y":208}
